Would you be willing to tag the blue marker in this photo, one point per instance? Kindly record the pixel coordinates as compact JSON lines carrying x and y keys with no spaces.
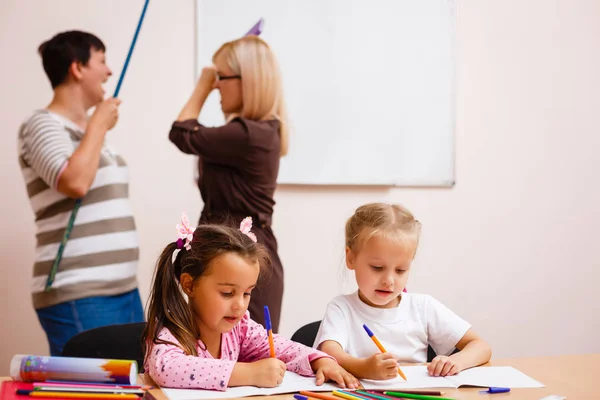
{"x":300,"y":397}
{"x":493,"y":390}
{"x":269,"y":329}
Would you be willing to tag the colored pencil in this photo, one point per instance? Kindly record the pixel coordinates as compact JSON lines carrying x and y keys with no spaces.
{"x":37,"y":393}
{"x":403,"y":395}
{"x":347,"y":395}
{"x":316,"y":395}
{"x":426,"y":392}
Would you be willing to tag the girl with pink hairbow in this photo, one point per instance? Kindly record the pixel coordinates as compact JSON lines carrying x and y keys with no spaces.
{"x":209,"y":341}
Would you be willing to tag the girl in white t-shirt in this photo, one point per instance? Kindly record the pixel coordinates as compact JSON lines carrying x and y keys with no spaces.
{"x":381,"y":241}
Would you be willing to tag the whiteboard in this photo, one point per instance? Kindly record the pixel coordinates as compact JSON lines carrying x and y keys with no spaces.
{"x":369,"y":84}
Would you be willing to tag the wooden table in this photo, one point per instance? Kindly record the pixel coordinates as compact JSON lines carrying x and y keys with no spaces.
{"x":570,"y":376}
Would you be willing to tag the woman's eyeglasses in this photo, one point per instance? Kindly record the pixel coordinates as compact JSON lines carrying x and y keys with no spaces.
{"x":224,"y":78}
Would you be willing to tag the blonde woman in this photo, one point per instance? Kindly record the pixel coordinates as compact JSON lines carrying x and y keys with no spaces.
{"x":239,"y":161}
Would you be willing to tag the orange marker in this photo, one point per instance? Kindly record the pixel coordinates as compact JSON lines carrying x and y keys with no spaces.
{"x":380,"y":347}
{"x":269,"y":331}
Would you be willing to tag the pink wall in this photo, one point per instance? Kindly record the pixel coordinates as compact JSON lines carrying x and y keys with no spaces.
{"x":511,"y":248}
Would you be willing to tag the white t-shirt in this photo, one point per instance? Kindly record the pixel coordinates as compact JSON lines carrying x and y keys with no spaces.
{"x":404,"y":331}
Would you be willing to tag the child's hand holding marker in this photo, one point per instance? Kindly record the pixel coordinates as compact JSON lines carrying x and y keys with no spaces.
{"x":268,"y":372}
{"x":384,"y":363}
{"x":381,"y":366}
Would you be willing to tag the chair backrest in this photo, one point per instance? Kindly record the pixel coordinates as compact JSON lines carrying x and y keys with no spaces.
{"x":120,"y":342}
{"x":308,"y":333}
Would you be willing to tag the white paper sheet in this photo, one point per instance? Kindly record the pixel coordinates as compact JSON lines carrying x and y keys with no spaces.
{"x":292,"y":383}
{"x":417,"y":378}
{"x":494,"y":376}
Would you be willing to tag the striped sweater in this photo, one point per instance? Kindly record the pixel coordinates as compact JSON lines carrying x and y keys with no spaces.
{"x":101,"y":256}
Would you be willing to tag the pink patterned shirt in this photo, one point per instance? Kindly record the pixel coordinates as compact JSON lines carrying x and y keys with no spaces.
{"x":169,"y":366}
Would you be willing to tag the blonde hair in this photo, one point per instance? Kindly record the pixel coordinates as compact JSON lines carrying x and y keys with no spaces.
{"x":262,"y":87}
{"x":391,"y":221}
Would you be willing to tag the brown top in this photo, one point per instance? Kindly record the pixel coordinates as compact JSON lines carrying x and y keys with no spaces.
{"x":238,"y":168}
{"x":238,"y":165}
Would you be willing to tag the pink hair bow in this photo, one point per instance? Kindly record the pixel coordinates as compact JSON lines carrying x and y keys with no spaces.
{"x":185,"y":233}
{"x":245,"y":227}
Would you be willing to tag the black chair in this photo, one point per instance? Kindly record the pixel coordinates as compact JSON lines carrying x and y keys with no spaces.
{"x":308,"y":333}
{"x":119,"y":342}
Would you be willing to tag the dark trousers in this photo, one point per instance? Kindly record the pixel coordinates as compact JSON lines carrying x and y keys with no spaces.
{"x":63,"y":321}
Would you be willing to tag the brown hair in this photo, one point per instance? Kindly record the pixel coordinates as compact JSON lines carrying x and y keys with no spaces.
{"x":167,"y":307}
{"x":59,"y":52}
{"x":389,"y":220}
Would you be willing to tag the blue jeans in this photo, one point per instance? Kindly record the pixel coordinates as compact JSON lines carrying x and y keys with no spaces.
{"x":65,"y":320}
